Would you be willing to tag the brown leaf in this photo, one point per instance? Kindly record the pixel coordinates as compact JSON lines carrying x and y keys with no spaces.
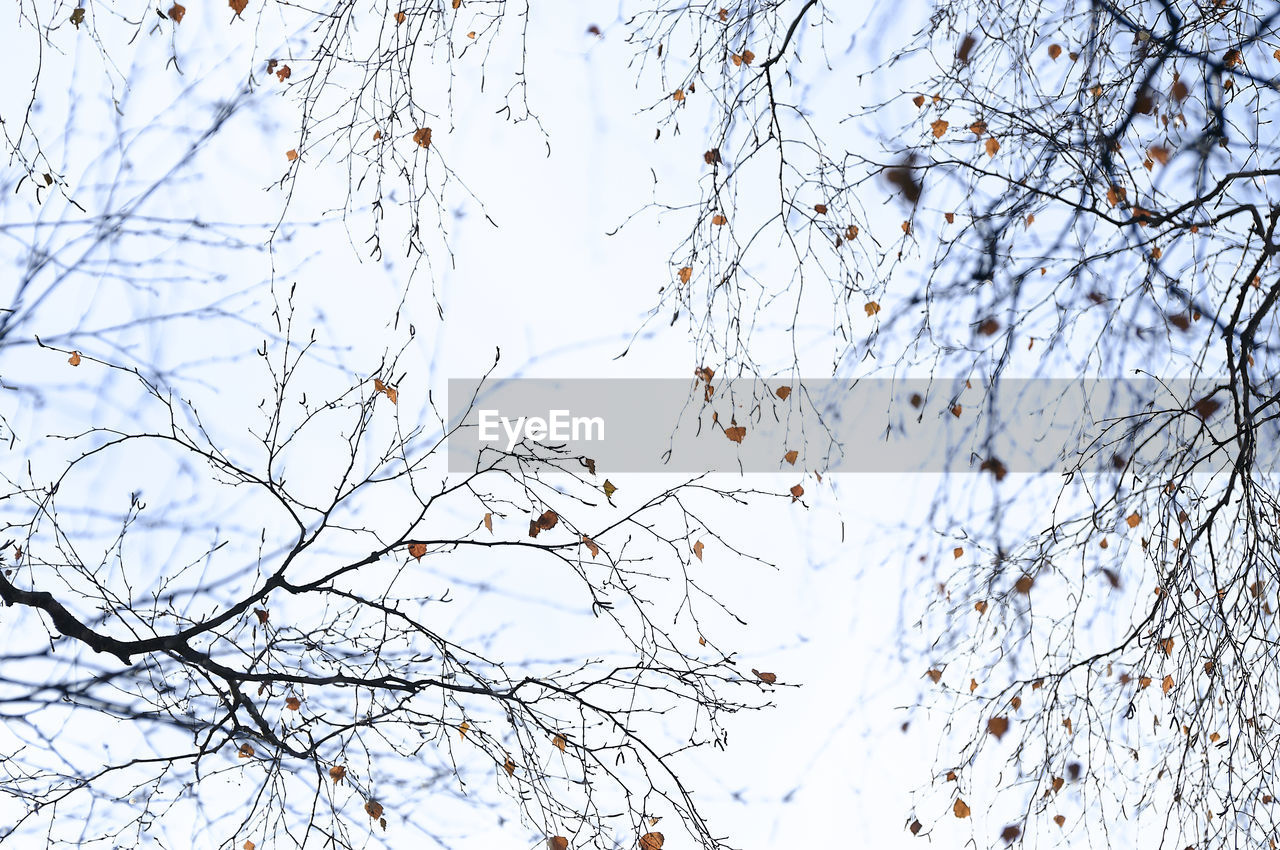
{"x":820,"y":209}
{"x":238,"y":6}
{"x":719,"y":220}
{"x":980,"y":606}
{"x":767,"y":678}
{"x":1055,"y":50}
{"x":422,"y":136}
{"x":791,"y":456}
{"x":417,"y":550}
{"x":1023,"y":584}
{"x":488,"y":522}
{"x":989,"y":326}
{"x":1010,"y":833}
{"x":591,"y":545}
{"x":748,"y":57}
{"x":851,"y":232}
{"x":245,"y":751}
{"x":462,"y":730}
{"x":262,"y":614}
{"x":74,"y":359}
{"x":712,"y":156}
{"x":782,"y":392}
{"x":957,"y":552}
{"x":337,"y":773}
{"x":934,"y":675}
{"x":918,"y":100}
{"x":400,"y":17}
{"x":557,"y":842}
{"x":915,"y":827}
{"x":283,"y":73}
{"x":559,"y":742}
{"x":978,"y":128}
{"x":997,"y":726}
{"x":735,"y":433}
{"x":685,"y":274}
{"x":796,"y":492}
{"x":697,"y":549}
{"x":509,"y":766}
{"x":950,"y":217}
{"x":961,"y":808}
{"x":293,"y":703}
{"x":374,"y":808}
{"x":1159,"y":153}
{"x":1167,"y":646}
{"x":992,"y":146}
{"x":677,"y":95}
{"x":248,"y":845}
{"x":176,"y":12}
{"x":966,"y":48}
{"x":939,"y":127}
{"x":652,"y":841}
{"x":1166,"y":684}
{"x":1133,"y":519}
{"x":1059,"y":819}
{"x":291,"y":155}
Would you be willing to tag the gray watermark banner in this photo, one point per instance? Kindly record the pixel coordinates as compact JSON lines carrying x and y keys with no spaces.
{"x":705,"y":424}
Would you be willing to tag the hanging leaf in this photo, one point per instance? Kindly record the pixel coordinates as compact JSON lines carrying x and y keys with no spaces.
{"x":337,"y":773}
{"x":796,"y":492}
{"x":997,"y":726}
{"x":488,"y":522}
{"x":557,"y":842}
{"x":697,"y":549}
{"x":509,"y":766}
{"x":1055,"y":50}
{"x":374,"y":808}
{"x":939,"y":128}
{"x":791,"y":456}
{"x":176,"y":12}
{"x":422,"y":136}
{"x":74,"y":359}
{"x":559,"y":742}
{"x":652,"y":841}
{"x":417,"y":550}
{"x":238,"y":6}
{"x":293,"y":703}
{"x":462,"y":730}
{"x":961,"y":808}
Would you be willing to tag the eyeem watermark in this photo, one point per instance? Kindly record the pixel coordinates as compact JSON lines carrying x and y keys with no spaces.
{"x":560,"y":426}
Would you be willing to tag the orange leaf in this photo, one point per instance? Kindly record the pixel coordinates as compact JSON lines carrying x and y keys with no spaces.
{"x":509,"y":766}
{"x":782,"y":392}
{"x":652,"y":841}
{"x":291,"y":155}
{"x":591,"y":545}
{"x":417,"y":550}
{"x":1167,"y":646}
{"x":337,"y":773}
{"x":871,"y":308}
{"x":961,"y":808}
{"x":245,"y":751}
{"x":939,"y":127}
{"x":851,"y":232}
{"x":697,"y":549}
{"x":400,"y":17}
{"x":950,"y":217}
{"x":1166,"y":684}
{"x":462,"y":729}
{"x":981,"y":606}
{"x":457,"y":4}
{"x":74,"y":359}
{"x":918,"y":100}
{"x":767,"y":678}
{"x":176,"y":12}
{"x":238,"y":6}
{"x":796,"y":492}
{"x":1133,"y":519}
{"x":559,"y":742}
{"x":719,"y":220}
{"x":488,"y":522}
{"x":557,"y":842}
{"x":958,"y":551}
{"x":248,"y":845}
{"x":748,"y":57}
{"x":685,"y":274}
{"x":678,"y":94}
{"x":283,"y":73}
{"x":1055,"y":50}
{"x":790,"y":457}
{"x":735,"y":433}
{"x":992,"y":146}
{"x":293,"y":703}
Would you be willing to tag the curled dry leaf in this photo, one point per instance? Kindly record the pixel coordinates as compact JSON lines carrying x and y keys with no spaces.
{"x":686,"y":274}
{"x":245,"y":751}
{"x":417,"y":550}
{"x":796,"y":492}
{"x":557,"y":842}
{"x":767,"y":678}
{"x":559,"y":742}
{"x":545,"y":522}
{"x":736,"y":433}
{"x":422,"y":136}
{"x":176,"y":12}
{"x":374,"y":808}
{"x":697,"y":549}
{"x":262,"y":614}
{"x":337,"y":773}
{"x":961,"y":808}
{"x":293,"y":703}
{"x":591,"y":545}
{"x":74,"y":359}
{"x":652,"y":841}
{"x":791,"y":456}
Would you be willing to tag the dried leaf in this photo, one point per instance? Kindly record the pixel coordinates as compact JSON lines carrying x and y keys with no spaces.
{"x":1166,"y":684}
{"x":262,"y":614}
{"x":697,"y":549}
{"x":719,"y":220}
{"x":245,"y":751}
{"x":176,"y":12}
{"x":488,"y":522}
{"x":557,"y":842}
{"x":961,"y":808}
{"x":559,"y":742}
{"x":238,"y":6}
{"x":291,"y":155}
{"x":417,"y":550}
{"x":74,"y":359}
{"x":337,"y":773}
{"x":791,"y":456}
{"x":939,"y":128}
{"x":1055,"y":50}
{"x":462,"y":730}
{"x":422,"y":136}
{"x":685,"y":274}
{"x":652,"y":841}
{"x":992,"y":146}
{"x":1133,"y":519}
{"x":591,"y":545}
{"x":374,"y":808}
{"x":820,"y":209}
{"x":293,"y":703}
{"x":767,"y":678}
{"x":871,"y":308}
{"x":934,"y":675}
{"x":509,"y":766}
{"x":997,"y":726}
{"x":735,"y":433}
